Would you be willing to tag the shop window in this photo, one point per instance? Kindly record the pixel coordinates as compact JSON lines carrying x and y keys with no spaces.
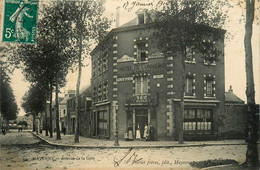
{"x":102,"y":123}
{"x":196,"y":120}
{"x":141,"y":85}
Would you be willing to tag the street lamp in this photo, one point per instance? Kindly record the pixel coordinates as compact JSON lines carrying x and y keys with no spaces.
{"x":116,"y":131}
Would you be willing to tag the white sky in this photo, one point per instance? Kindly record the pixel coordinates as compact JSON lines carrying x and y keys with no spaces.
{"x":234,"y":55}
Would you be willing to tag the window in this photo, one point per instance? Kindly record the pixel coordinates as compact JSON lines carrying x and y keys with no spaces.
{"x":196,"y":120}
{"x":189,"y":86}
{"x":95,"y":94}
{"x":99,"y":66}
{"x":105,"y":68}
{"x":105,"y":90}
{"x":94,"y":69}
{"x":209,"y":88}
{"x":210,"y":56}
{"x":141,"y":52}
{"x":141,"y":85}
{"x":102,"y":123}
{"x":141,"y":18}
{"x":189,"y":53}
{"x":99,"y":92}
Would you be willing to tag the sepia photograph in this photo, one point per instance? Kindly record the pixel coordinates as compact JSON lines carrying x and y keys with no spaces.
{"x":129,"y":84}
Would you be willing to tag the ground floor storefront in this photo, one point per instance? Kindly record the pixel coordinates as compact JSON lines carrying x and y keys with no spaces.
{"x":200,"y":120}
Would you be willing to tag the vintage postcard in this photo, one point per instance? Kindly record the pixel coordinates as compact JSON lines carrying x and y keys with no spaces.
{"x":129,"y":84}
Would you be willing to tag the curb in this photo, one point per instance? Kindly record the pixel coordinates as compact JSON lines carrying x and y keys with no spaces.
{"x":128,"y":147}
{"x":218,"y":166}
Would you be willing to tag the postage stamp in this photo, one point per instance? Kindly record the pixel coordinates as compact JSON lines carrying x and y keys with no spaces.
{"x":20,"y":21}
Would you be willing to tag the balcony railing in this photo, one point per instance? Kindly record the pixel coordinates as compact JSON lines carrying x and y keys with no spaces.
{"x":142,"y":99}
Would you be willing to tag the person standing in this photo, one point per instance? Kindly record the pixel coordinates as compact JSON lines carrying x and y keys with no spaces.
{"x":145,"y":131}
{"x":3,"y":130}
{"x":138,"y":134}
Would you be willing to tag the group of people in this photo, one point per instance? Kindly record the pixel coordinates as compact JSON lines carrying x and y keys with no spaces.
{"x":148,"y":133}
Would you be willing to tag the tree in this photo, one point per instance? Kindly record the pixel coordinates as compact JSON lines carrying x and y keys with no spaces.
{"x":8,"y":105}
{"x":33,"y":102}
{"x":195,"y":25}
{"x":252,"y":159}
{"x":89,"y":25}
{"x":56,"y":25}
{"x":48,"y":62}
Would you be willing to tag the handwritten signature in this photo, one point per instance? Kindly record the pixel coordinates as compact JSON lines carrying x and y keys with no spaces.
{"x":129,"y":157}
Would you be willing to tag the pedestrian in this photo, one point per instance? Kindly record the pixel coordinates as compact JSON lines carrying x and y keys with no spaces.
{"x":145,"y":131}
{"x":138,"y":134}
{"x":64,"y":130}
{"x":3,"y":130}
{"x":130,"y":133}
{"x":151,"y":132}
{"x":126,"y":136}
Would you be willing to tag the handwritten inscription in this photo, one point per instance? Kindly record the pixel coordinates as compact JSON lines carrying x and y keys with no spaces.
{"x":129,"y":6}
{"x":129,"y":158}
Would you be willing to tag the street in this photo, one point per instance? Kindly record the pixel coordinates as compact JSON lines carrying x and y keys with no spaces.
{"x":21,"y":150}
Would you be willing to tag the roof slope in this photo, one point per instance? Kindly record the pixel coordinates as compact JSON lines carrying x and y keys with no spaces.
{"x":230,"y":97}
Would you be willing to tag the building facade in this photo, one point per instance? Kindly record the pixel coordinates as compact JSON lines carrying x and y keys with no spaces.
{"x":134,"y":84}
{"x":84,"y":117}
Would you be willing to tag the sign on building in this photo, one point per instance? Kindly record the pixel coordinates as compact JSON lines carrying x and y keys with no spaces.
{"x":20,"y":21}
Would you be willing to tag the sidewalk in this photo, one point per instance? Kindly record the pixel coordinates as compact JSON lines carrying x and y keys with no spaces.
{"x":68,"y":141}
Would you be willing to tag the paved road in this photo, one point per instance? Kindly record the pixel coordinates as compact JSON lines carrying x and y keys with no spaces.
{"x":23,"y":151}
{"x":14,"y":137}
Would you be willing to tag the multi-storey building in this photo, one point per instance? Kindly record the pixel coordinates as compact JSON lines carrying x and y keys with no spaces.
{"x":134,"y":84}
{"x":84,"y":116}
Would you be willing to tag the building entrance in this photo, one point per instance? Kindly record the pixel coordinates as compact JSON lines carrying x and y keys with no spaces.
{"x":141,"y":119}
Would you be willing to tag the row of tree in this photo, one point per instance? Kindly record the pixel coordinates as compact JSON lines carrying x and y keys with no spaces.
{"x":66,"y":30}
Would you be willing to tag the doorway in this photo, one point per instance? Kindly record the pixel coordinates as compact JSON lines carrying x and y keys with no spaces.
{"x":141,"y":119}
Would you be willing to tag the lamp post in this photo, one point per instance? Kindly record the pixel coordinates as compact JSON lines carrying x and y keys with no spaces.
{"x":116,"y":130}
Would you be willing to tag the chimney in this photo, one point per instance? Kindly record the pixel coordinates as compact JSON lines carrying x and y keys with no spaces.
{"x":117,"y":16}
{"x":230,"y":89}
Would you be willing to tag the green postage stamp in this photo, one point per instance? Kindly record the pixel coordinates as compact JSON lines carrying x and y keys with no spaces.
{"x":20,"y":21}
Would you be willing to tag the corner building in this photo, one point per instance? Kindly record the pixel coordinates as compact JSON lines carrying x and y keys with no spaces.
{"x":132,"y":79}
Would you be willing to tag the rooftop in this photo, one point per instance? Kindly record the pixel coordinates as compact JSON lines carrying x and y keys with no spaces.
{"x":230,"y":97}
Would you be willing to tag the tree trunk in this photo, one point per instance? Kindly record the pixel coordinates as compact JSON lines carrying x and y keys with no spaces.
{"x":252,"y":159}
{"x":34,"y":123}
{"x":51,"y":133}
{"x":46,"y":114}
{"x":182,"y":98}
{"x":7,"y":126}
{"x":57,"y":108}
{"x":77,"y":94}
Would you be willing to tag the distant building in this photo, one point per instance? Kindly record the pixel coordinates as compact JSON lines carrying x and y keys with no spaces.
{"x":137,"y":82}
{"x":85,"y":110}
